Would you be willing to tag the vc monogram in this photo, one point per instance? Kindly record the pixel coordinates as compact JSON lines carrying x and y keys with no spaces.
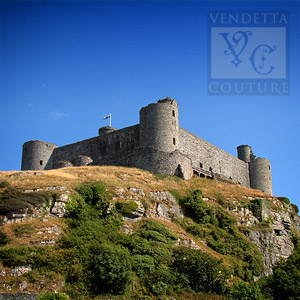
{"x":259,"y":56}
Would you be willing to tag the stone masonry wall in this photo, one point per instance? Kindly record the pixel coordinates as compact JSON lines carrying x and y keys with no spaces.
{"x":213,"y":157}
{"x":107,"y":149}
{"x":159,"y":162}
{"x":20,"y":296}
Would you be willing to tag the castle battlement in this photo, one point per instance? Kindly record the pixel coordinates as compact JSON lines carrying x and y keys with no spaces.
{"x":157,"y":144}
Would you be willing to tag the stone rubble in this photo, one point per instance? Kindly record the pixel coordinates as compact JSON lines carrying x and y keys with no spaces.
{"x":18,"y":271}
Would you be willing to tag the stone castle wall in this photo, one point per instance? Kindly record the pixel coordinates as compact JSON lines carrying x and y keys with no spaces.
{"x":210,"y":156}
{"x":18,"y":296}
{"x":160,"y":162}
{"x":106,"y":149}
{"x":156,"y":144}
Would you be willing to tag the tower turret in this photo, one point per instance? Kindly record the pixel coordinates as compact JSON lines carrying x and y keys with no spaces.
{"x":259,"y":169}
{"x":159,"y":125}
{"x":37,"y":155}
{"x":244,"y":153}
{"x":260,"y":175}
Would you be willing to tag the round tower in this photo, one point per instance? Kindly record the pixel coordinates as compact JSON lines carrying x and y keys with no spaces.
{"x":106,"y":129}
{"x":159,"y":125}
{"x":260,"y":175}
{"x":37,"y":155}
{"x":244,"y":153}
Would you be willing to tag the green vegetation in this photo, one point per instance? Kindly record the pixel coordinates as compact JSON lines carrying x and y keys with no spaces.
{"x":52,"y":296}
{"x":4,"y":184}
{"x":295,"y":208}
{"x":126,"y":208}
{"x":96,"y":259}
{"x":4,"y":239}
{"x":13,"y":200}
{"x":284,"y":200}
{"x":256,"y":207}
{"x":284,"y":284}
{"x":23,"y":229}
{"x":221,"y":234}
{"x":244,"y":291}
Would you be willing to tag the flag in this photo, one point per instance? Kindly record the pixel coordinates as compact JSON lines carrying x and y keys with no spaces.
{"x":107,"y":117}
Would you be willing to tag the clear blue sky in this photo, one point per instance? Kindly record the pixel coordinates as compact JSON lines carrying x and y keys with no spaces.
{"x":67,"y":64}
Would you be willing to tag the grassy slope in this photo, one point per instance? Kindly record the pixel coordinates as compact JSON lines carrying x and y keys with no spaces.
{"x":117,"y":177}
{"x":123,"y":177}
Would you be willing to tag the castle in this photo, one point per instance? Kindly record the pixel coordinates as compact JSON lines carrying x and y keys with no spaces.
{"x":156,"y":144}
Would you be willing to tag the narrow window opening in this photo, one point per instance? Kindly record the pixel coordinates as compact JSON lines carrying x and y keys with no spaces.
{"x":41,"y":162}
{"x":210,"y":168}
{"x":201,"y":165}
{"x":174,"y":141}
{"x":269,"y":167}
{"x":173,"y":113}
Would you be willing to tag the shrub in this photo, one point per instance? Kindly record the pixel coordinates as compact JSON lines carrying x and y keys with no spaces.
{"x":52,"y":296}
{"x":143,"y":264}
{"x":111,"y":266}
{"x":295,"y":208}
{"x":194,"y":206}
{"x":95,"y":195}
{"x":75,"y":206}
{"x":4,"y":239}
{"x":243,"y":291}
{"x":23,"y":229}
{"x":126,"y":208}
{"x":17,"y":256}
{"x":285,"y":282}
{"x":198,"y":230}
{"x":284,"y":200}
{"x":256,"y":207}
{"x":4,"y":184}
{"x":155,"y":231}
{"x":204,"y":273}
{"x":160,"y":279}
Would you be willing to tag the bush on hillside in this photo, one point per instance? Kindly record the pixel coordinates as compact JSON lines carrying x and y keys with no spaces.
{"x":52,"y":296}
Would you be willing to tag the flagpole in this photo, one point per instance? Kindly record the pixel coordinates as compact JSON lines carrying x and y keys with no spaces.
{"x":110,"y":120}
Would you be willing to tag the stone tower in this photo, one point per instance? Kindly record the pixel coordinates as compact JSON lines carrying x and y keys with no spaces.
{"x":244,"y":153}
{"x":260,"y":175}
{"x":37,"y":155}
{"x":159,"y":127}
{"x":259,"y":169}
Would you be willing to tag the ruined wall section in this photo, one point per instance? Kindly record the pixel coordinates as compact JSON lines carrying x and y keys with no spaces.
{"x":107,"y":149}
{"x":213,"y":158}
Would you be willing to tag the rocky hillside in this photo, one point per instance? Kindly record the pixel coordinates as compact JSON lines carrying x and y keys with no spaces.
{"x":247,"y":230}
